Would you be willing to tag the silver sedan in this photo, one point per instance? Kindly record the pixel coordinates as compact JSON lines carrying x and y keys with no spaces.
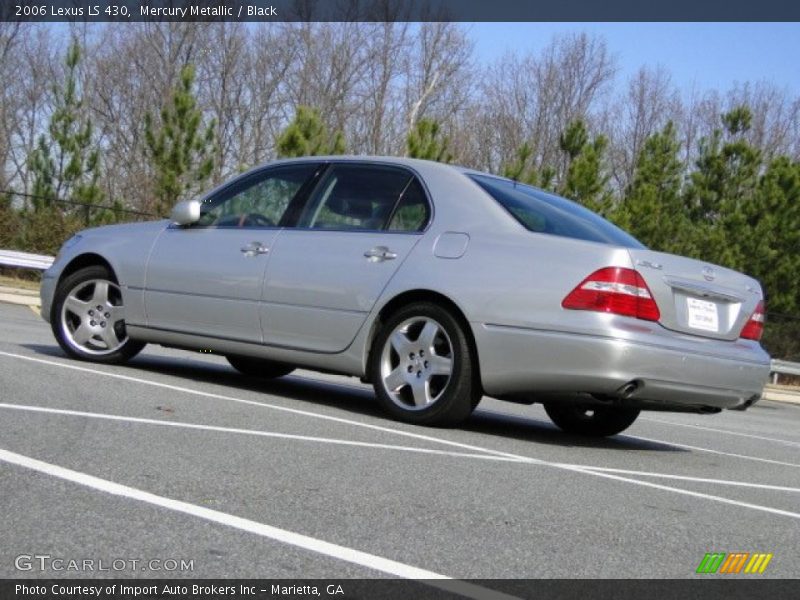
{"x":435,"y":283}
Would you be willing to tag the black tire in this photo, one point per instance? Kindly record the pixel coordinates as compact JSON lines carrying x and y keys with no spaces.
{"x":65,"y":324}
{"x":255,"y":367}
{"x":452,"y":397}
{"x":590,"y":420}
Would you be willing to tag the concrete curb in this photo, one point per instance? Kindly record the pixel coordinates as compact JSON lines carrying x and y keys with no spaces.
{"x":19,"y":296}
{"x":782,"y":394}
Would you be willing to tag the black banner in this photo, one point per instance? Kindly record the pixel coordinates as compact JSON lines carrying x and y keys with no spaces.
{"x":706,"y":588}
{"x":396,"y":10}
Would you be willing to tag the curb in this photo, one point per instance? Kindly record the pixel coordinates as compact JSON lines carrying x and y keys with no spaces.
{"x":23,"y":298}
{"x":781,"y":395}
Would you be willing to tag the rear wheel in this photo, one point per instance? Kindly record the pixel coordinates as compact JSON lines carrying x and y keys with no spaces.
{"x":88,"y":317}
{"x":590,"y":420}
{"x":423,"y":368}
{"x":255,"y":367}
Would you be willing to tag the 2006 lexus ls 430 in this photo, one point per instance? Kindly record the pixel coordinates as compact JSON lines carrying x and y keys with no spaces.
{"x":435,"y":283}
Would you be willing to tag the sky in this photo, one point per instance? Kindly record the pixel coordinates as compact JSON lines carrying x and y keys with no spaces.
{"x":700,"y":55}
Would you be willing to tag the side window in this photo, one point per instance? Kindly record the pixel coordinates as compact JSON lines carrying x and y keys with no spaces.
{"x":258,"y":201}
{"x":412,"y":212}
{"x":355,"y":197}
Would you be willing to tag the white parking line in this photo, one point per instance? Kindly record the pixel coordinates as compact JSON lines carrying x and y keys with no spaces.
{"x":335,"y":441}
{"x":269,"y":434}
{"x":726,"y":431}
{"x":712,"y":451}
{"x":610,"y":476}
{"x":760,"y":486}
{"x":363,"y":559}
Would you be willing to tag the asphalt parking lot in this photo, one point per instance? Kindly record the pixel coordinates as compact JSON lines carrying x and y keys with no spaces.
{"x":178,"y":457}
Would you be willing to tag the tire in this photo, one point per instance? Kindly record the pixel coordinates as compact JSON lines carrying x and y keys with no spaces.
{"x":87,"y":318}
{"x":590,"y":420}
{"x":263,"y":369}
{"x":423,"y":368}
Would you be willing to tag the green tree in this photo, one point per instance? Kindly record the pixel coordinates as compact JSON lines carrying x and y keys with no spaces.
{"x":521,"y":169}
{"x":722,"y":192}
{"x":307,"y":135}
{"x":584,"y":180}
{"x":180,"y":147}
{"x":424,"y":141}
{"x":652,"y":207}
{"x":66,"y":162}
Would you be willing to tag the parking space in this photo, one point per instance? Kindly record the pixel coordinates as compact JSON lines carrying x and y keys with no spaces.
{"x":177,"y":456}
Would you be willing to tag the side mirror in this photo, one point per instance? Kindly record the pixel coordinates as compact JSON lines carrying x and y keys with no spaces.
{"x":186,"y":212}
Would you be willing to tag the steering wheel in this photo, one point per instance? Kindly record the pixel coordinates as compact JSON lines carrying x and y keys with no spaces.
{"x":255,"y":220}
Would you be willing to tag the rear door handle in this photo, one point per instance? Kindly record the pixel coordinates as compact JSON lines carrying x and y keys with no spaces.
{"x":254,"y":249}
{"x":380,"y":254}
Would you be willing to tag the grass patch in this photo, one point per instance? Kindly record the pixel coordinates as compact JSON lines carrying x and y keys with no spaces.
{"x":17,"y":282}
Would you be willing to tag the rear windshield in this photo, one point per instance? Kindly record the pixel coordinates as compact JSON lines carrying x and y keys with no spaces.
{"x":547,"y":213}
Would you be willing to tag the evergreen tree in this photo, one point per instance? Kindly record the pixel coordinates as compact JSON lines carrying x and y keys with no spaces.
{"x":424,"y":141}
{"x":652,"y":208}
{"x":722,"y":191}
{"x":523,"y":171}
{"x":584,"y":180}
{"x":307,"y":135}
{"x":66,"y":162}
{"x":179,"y":147}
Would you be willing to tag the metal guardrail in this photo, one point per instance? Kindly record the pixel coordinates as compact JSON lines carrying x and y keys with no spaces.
{"x":783,"y":367}
{"x":12,"y":258}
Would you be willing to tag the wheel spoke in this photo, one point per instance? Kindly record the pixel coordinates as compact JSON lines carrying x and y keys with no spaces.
{"x":420,"y":391}
{"x":428,"y":335}
{"x":110,"y":337}
{"x":82,"y":334}
{"x":395,"y":380}
{"x":441,"y":365}
{"x":400,"y":342}
{"x":76,"y":306}
{"x":100,"y":295}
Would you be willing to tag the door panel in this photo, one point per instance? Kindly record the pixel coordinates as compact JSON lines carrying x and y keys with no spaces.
{"x":207,"y":279}
{"x":200,"y":281}
{"x":320,"y":286}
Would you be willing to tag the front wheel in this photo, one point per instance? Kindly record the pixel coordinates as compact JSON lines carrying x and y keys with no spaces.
{"x":263,"y":369}
{"x":591,"y":420}
{"x":88,"y":317}
{"x":423,"y":367}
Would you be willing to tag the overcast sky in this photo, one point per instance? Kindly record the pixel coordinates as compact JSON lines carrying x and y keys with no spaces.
{"x":706,"y":55}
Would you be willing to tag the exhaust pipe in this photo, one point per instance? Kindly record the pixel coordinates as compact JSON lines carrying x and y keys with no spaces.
{"x":630,"y":388}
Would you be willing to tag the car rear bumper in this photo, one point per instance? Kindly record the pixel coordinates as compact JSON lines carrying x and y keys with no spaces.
{"x":517,"y":361}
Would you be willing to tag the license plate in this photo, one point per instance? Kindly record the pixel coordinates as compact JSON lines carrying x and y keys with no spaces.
{"x":702,"y":314}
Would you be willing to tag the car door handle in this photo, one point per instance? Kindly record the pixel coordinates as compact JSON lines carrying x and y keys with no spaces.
{"x":380,"y":254}
{"x":254,"y":249}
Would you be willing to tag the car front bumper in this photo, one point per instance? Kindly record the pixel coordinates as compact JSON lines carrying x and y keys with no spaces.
{"x":46,"y":292}
{"x":518,"y":362}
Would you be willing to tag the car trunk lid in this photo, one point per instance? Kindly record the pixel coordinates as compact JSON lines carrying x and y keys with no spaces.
{"x":696,"y":297}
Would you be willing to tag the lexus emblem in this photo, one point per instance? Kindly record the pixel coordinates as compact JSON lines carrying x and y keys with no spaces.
{"x":708,"y":273}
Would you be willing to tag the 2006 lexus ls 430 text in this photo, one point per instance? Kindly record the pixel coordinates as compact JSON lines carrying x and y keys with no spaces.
{"x":437,"y":284}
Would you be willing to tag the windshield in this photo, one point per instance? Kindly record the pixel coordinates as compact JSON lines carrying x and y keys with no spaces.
{"x":547,"y":213}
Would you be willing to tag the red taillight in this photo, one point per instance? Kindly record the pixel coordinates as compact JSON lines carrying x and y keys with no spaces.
{"x":755,"y":326}
{"x":614,"y":290}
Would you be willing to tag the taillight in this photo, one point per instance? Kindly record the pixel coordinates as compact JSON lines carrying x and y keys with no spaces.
{"x":755,"y":326}
{"x":614,"y":290}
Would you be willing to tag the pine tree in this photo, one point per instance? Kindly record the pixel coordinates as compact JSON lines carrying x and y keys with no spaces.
{"x":65,"y":164}
{"x":179,"y":147}
{"x":523,"y":171}
{"x":722,"y":191}
{"x":652,"y":208}
{"x":424,"y":142}
{"x":584,"y":180}
{"x":307,"y":135}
